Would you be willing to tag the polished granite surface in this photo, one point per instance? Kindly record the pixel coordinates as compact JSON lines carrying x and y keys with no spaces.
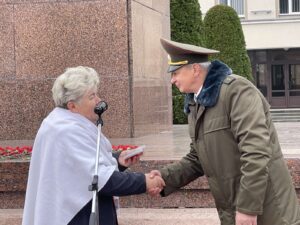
{"x":175,"y":143}
{"x":172,"y":145}
{"x":162,"y":149}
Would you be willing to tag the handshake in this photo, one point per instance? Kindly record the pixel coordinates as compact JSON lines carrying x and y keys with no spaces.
{"x":154,"y":183}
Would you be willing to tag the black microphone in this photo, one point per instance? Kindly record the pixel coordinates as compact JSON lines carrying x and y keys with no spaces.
{"x":100,"y":108}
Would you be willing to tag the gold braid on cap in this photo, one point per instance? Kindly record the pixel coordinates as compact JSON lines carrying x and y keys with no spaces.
{"x":176,"y":63}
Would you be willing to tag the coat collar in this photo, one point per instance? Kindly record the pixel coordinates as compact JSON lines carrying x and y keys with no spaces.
{"x":209,"y":94}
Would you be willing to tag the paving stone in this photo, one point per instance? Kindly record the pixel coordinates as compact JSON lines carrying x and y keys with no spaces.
{"x":140,"y":216}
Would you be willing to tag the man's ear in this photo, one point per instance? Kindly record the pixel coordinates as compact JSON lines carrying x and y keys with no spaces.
{"x":71,"y":106}
{"x":197,"y":69}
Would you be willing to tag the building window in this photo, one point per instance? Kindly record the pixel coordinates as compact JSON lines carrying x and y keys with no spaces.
{"x":261,"y":83}
{"x":277,"y":77}
{"x":238,"y":5}
{"x":294,"y":78}
{"x":289,"y":6}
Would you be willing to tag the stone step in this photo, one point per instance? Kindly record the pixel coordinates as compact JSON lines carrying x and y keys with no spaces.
{"x":286,"y":120}
{"x":194,"y":195}
{"x":198,"y":216}
{"x":294,"y":113}
{"x":13,"y":177}
{"x":285,"y":110}
{"x":285,"y":115}
{"x":140,"y":216}
{"x":11,"y":216}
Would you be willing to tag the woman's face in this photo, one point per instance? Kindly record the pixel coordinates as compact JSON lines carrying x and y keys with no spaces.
{"x":86,"y":105}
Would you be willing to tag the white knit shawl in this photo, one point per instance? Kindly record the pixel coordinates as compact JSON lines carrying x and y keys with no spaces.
{"x":62,"y":168}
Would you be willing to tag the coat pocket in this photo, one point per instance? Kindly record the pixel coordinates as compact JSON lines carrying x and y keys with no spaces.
{"x":225,"y":191}
{"x":216,"y":124}
{"x":217,"y":193}
{"x":230,"y":187}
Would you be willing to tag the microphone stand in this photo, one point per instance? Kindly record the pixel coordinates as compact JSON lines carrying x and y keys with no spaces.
{"x":94,"y":217}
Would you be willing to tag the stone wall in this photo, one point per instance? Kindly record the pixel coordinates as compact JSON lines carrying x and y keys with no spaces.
{"x":13,"y":180}
{"x":120,"y":39}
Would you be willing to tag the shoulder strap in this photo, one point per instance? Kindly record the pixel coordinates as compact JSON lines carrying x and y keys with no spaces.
{"x":229,"y":79}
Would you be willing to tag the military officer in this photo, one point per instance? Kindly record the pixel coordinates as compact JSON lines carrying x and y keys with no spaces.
{"x":233,"y":142}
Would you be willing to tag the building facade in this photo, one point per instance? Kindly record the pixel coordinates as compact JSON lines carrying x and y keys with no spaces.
{"x":272,"y":31}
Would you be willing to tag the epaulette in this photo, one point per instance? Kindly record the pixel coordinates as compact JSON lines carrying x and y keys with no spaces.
{"x":229,"y":80}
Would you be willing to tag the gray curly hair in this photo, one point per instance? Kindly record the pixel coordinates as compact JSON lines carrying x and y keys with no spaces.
{"x":73,"y":83}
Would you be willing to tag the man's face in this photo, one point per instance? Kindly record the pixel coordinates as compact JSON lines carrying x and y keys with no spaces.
{"x":184,"y":78}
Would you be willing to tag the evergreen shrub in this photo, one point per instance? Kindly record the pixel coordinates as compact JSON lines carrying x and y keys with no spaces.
{"x":186,"y":27}
{"x":223,"y":32}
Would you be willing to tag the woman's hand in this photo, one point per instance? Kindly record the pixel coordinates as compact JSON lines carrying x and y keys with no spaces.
{"x":154,"y":184}
{"x":130,"y":161}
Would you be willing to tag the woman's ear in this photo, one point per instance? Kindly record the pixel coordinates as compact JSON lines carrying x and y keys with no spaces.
{"x":71,"y":106}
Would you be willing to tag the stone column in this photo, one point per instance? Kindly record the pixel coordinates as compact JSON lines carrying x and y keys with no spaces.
{"x":119,"y":38}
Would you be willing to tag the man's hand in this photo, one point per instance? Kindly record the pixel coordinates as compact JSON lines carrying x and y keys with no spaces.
{"x":155,"y":191}
{"x":130,"y":161}
{"x":154,"y":184}
{"x":154,"y":173}
{"x":245,"y":219}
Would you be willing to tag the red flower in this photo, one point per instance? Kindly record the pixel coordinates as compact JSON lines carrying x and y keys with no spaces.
{"x":123,"y":147}
{"x":24,"y":152}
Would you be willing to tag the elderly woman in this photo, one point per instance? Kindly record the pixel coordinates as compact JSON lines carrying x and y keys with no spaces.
{"x":62,"y":164}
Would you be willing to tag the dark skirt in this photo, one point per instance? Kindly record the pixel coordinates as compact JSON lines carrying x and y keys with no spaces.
{"x":119,"y":184}
{"x":107,"y":213}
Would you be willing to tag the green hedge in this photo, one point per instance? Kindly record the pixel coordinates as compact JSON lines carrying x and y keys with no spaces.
{"x":186,"y":22}
{"x":186,"y":27}
{"x":178,"y":115}
{"x":223,"y":32}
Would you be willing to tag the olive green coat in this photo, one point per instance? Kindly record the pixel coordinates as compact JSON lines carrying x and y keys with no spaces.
{"x":234,"y":143}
